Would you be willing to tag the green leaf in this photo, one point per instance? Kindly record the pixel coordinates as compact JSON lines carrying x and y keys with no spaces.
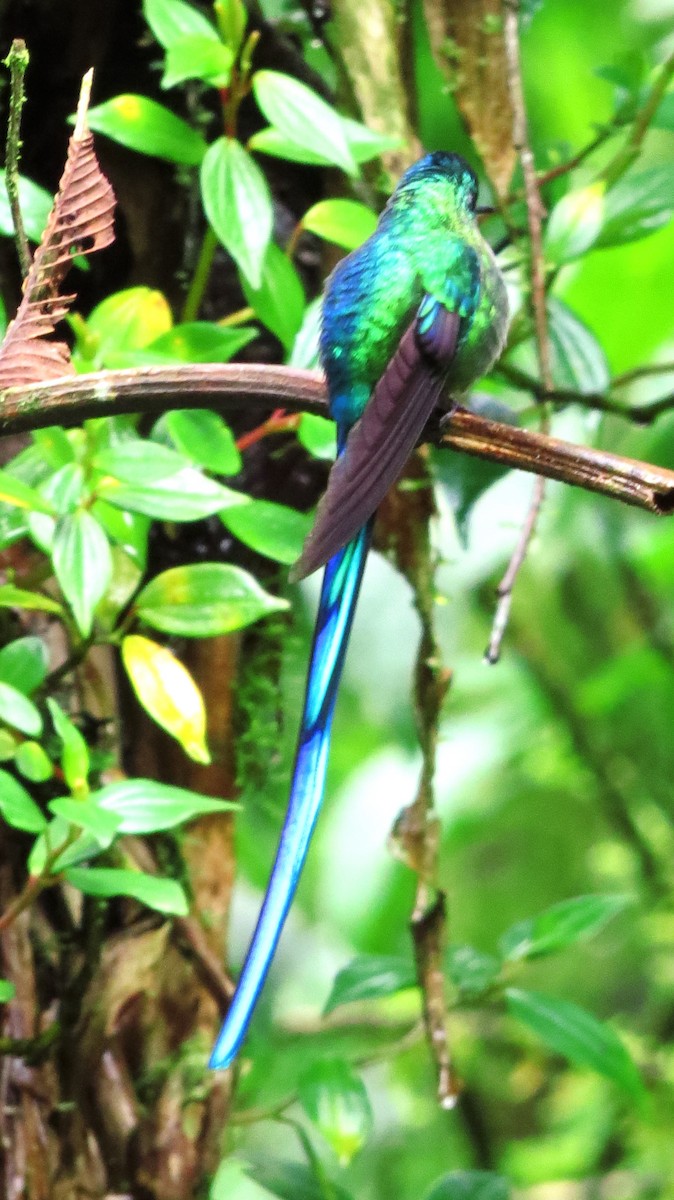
{"x":364,"y":143}
{"x":172,"y":20}
{"x":238,"y":205}
{"x":201,"y":341}
{"x":334,"y":1098}
{"x":7,"y":991}
{"x":144,"y":125}
{"x":345,"y":222}
{"x":75,"y":754}
{"x":271,"y":529}
{"x":370,"y":978}
{"x":128,"y":530}
{"x":126,"y":320}
{"x":54,"y":445}
{"x":32,"y":762}
{"x":139,"y":460}
{"x":162,"y":895}
{"x":14,"y":597}
{"x":574,"y":223}
{"x":290,"y":1181}
{"x":8,"y":745}
{"x":14,"y":492}
{"x":279,"y":299}
{"x":470,"y":1185}
{"x":186,"y":496}
{"x":82,"y":564}
{"x":205,"y":438}
{"x":146,"y":806}
{"x":17,"y":807}
{"x":471,"y":971}
{"x":561,"y":925}
{"x":168,"y":693}
{"x":271,"y":141}
{"x":232,"y":1182}
{"x":204,"y":600}
{"x":577,"y":359}
{"x":304,"y":351}
{"x":638,"y":205}
{"x":318,"y":436}
{"x":197,"y":57}
{"x":577,"y":1035}
{"x":35,"y":203}
{"x":103,"y":825}
{"x":303,"y":117}
{"x":232,"y":18}
{"x":17,"y":711}
{"x":24,"y":663}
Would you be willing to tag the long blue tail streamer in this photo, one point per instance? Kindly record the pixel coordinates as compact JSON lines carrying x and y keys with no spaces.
{"x":339,"y":593}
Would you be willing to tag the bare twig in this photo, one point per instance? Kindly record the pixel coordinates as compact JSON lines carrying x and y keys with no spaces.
{"x":252,"y":388}
{"x":17,"y":60}
{"x":535,"y":214}
{"x":640,"y":125}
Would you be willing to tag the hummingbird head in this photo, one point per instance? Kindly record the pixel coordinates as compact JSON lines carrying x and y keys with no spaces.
{"x":441,"y":178}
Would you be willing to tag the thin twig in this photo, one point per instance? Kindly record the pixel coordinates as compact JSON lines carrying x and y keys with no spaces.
{"x":535,"y":214}
{"x":640,"y":126}
{"x":17,"y":60}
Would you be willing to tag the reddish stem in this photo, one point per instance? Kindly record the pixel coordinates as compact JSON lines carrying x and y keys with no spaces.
{"x":280,"y":421}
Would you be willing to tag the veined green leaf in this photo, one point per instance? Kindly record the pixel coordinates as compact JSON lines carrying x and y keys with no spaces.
{"x":576,"y":1034}
{"x":639,"y":204}
{"x":14,"y":597}
{"x":82,"y":564}
{"x":145,"y":806}
{"x":17,"y":711}
{"x":20,"y":495}
{"x":369,"y":978}
{"x":185,"y":496}
{"x":204,"y":600}
{"x":103,"y":825}
{"x":139,"y":460}
{"x":303,"y":117}
{"x":163,"y":895}
{"x":238,"y":205}
{"x":24,"y":664}
{"x":202,"y":341}
{"x":574,"y":223}
{"x":144,"y":125}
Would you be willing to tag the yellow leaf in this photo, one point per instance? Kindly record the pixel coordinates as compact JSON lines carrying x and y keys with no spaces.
{"x":168,"y":693}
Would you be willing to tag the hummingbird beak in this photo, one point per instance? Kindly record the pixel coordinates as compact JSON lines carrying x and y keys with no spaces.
{"x":486,"y":210}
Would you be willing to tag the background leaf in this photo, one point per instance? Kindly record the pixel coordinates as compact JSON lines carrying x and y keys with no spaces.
{"x":142,"y":124}
{"x":168,"y":693}
{"x":163,"y":895}
{"x":238,"y":205}
{"x":204,"y":599}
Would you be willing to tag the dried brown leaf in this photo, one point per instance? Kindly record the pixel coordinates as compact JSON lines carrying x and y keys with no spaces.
{"x":467,"y":43}
{"x":80,"y":222}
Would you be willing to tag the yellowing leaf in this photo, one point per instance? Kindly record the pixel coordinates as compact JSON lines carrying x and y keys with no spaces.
{"x":168,"y":693}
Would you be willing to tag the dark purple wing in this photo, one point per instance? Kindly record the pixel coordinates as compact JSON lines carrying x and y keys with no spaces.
{"x":382,"y":440}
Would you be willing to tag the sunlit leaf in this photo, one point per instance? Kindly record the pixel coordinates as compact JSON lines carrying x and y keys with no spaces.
{"x":75,"y":753}
{"x":232,"y":1182}
{"x":103,"y":825}
{"x":168,"y":693}
{"x":318,"y":436}
{"x":204,"y":600}
{"x":197,"y":57}
{"x":639,"y":204}
{"x":140,"y":461}
{"x":303,"y":117}
{"x":146,"y":806}
{"x":17,"y":711}
{"x":7,"y":991}
{"x":82,"y":564}
{"x":35,"y":203}
{"x":144,"y":125}
{"x":186,"y":496}
{"x":201,"y":341}
{"x":32,"y":762}
{"x":238,"y":205}
{"x":125,"y":321}
{"x":574,"y":223}
{"x":13,"y":491}
{"x":172,"y":20}
{"x":17,"y":807}
{"x":205,"y":438}
{"x":304,"y":352}
{"x":345,"y":222}
{"x":14,"y":597}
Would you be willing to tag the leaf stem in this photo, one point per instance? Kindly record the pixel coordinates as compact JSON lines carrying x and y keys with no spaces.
{"x":200,"y":277}
{"x":17,"y":60}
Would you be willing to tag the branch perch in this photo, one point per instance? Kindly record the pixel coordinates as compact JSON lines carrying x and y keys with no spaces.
{"x":237,"y":386}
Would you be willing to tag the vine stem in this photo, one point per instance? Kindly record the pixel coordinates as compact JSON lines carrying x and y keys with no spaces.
{"x":17,"y":60}
{"x":200,"y":278}
{"x":535,"y":212}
